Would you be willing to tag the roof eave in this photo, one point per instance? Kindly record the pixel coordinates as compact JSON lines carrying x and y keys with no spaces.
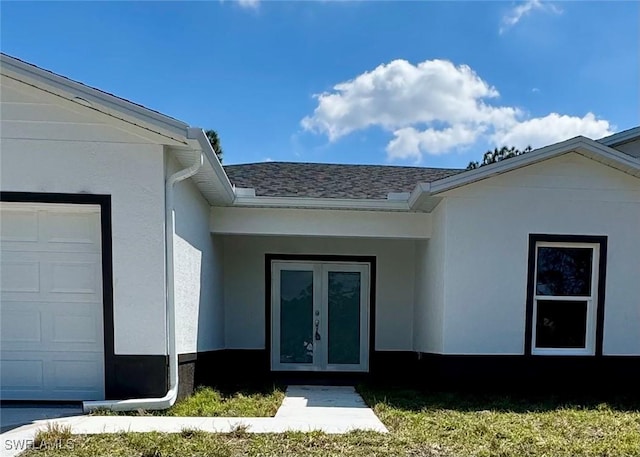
{"x":225,"y":185}
{"x":322,"y":203}
{"x":619,"y":138}
{"x":168,"y":125}
{"x":128,"y":112}
{"x":578,"y":144}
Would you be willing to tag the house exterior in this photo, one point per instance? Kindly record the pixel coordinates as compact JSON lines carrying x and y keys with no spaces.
{"x":135,"y":266}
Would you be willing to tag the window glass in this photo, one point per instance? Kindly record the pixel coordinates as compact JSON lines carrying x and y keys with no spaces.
{"x":564,"y":271}
{"x":561,"y":324}
{"x":296,"y":316}
{"x":344,"y":317}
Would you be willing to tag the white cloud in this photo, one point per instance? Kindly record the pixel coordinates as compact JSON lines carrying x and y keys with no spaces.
{"x":436,"y":107}
{"x":253,"y":4}
{"x":409,"y":143}
{"x":522,"y":9}
{"x":552,"y":128}
{"x":399,"y":94}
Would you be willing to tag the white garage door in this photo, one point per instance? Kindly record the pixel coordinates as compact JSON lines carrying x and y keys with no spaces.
{"x":51,"y":340}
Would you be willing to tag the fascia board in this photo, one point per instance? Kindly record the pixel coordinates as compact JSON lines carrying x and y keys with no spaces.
{"x":621,"y":137}
{"x":37,"y":76}
{"x":327,"y":203}
{"x":199,"y":135}
{"x":579,"y":144}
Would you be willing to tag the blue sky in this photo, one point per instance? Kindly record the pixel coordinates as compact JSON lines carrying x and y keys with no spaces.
{"x":429,"y":83}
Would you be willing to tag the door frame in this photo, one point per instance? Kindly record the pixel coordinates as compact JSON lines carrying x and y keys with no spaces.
{"x":370,"y":260}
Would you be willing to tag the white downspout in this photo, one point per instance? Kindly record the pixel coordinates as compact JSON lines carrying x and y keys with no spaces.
{"x":169,"y":399}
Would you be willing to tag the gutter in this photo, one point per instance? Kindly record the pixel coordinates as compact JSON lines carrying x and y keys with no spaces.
{"x":320,"y":203}
{"x":620,"y":138}
{"x":198,"y":134}
{"x":170,"y":397}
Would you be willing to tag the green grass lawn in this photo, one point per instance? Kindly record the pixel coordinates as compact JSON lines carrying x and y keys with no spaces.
{"x":210,"y":402}
{"x":420,"y":424}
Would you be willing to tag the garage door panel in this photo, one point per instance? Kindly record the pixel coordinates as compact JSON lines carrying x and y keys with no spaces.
{"x":58,"y":376}
{"x":54,"y":277}
{"x":23,"y":247}
{"x":74,"y":277}
{"x":34,"y":326}
{"x":42,"y":224}
{"x":67,"y":347}
{"x":69,"y":228}
{"x":22,"y":375}
{"x":20,"y":326}
{"x":52,"y":297}
{"x":77,"y":328}
{"x":52,"y":343}
{"x":74,"y":375}
{"x":20,"y":276}
{"x":19,"y":225}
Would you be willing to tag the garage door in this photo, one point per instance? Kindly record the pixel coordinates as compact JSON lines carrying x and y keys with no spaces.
{"x":51,"y":340}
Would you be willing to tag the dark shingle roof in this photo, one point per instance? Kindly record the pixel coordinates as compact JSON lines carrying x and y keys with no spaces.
{"x":293,"y":179}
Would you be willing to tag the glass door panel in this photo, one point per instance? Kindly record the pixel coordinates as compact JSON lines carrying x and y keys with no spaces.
{"x":296,"y":316}
{"x":319,"y":316}
{"x":345,"y":310}
{"x":343,"y":332}
{"x":294,"y":310}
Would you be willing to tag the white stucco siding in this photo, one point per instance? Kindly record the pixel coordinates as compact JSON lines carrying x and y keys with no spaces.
{"x":323,"y":223}
{"x":198,"y":271}
{"x":428,"y":317}
{"x":488,"y":225}
{"x":86,"y":156}
{"x":244,"y":284}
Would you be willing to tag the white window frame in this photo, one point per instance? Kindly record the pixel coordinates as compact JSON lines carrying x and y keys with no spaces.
{"x":592,"y":301}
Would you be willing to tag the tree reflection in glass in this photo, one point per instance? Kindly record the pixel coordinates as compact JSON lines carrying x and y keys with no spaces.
{"x":344,"y":317}
{"x":296,"y":316}
{"x":564,"y":271}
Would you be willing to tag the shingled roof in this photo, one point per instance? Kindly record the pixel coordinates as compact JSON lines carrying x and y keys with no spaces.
{"x":321,"y":180}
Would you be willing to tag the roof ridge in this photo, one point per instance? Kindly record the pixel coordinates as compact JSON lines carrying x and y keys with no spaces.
{"x":285,"y":162}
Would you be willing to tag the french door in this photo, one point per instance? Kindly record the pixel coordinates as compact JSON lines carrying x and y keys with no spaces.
{"x":319,"y":316}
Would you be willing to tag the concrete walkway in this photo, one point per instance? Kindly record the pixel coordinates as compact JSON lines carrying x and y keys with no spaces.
{"x":304,"y":408}
{"x":330,"y":409}
{"x":13,"y":416}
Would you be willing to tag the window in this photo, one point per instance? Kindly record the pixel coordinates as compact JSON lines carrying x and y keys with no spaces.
{"x":563,"y":307}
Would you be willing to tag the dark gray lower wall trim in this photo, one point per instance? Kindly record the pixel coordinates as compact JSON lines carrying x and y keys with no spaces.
{"x":137,"y":376}
{"x":529,"y":373}
{"x":225,"y":367}
{"x":232,"y":368}
{"x":186,"y":379}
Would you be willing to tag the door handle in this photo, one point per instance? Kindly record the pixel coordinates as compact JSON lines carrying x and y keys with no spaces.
{"x":317,"y":337}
